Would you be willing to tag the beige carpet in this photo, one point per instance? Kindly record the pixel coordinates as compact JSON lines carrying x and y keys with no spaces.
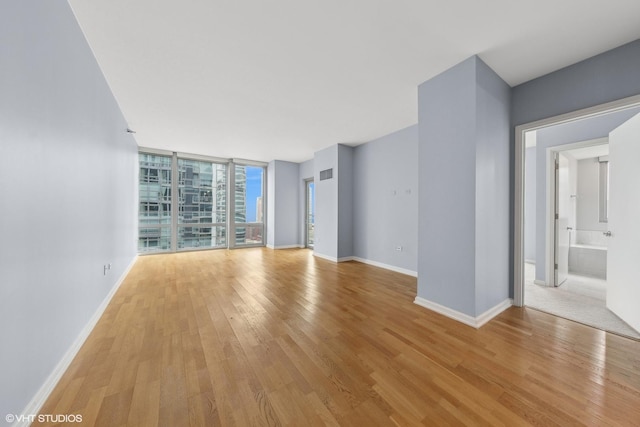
{"x":578,"y":299}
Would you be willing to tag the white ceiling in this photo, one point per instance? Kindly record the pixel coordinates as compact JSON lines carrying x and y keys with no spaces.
{"x":281,"y":79}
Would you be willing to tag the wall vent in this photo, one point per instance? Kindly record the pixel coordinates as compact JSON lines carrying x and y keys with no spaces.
{"x":326,"y":174}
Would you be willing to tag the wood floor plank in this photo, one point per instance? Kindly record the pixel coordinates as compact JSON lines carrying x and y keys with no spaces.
{"x":281,"y":338}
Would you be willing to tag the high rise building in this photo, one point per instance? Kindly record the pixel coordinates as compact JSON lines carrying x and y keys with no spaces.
{"x":154,"y":208}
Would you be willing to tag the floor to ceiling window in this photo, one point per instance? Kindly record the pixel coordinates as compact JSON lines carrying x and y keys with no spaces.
{"x":248,"y":205}
{"x":202,"y":209}
{"x":154,"y":213}
{"x":219,"y":203}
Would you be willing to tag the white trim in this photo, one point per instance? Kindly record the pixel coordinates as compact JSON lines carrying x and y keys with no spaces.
{"x":34,"y":406}
{"x":530,"y":261}
{"x":386,"y":266}
{"x":156,"y":151}
{"x":474,"y":322}
{"x":369,"y":262}
{"x":518,"y":222}
{"x":327,"y":257}
{"x":493,"y":312}
{"x":202,"y":158}
{"x":246,"y":162}
{"x":285,"y":247}
{"x":540,"y":282}
{"x":550,"y":217}
{"x":333,"y":259}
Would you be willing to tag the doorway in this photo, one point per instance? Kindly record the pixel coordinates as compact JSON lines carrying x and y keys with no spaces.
{"x":554,"y":226}
{"x":310,"y":206}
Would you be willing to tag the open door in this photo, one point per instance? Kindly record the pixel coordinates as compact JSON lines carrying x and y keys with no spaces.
{"x":563,"y":198}
{"x":623,"y":256}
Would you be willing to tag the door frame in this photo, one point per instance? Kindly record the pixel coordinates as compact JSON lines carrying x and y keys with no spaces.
{"x":306,"y":212}
{"x":518,"y":223}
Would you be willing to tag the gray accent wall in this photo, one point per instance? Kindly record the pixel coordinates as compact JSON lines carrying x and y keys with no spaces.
{"x":603,"y":78}
{"x":385,"y":199}
{"x":283,"y":200}
{"x":463,"y":226}
{"x":67,"y":177}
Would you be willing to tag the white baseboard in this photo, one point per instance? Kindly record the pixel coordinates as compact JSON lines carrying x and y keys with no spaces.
{"x":369,"y":262}
{"x":493,"y":312}
{"x":386,"y":266}
{"x":540,"y":282}
{"x":474,"y":322}
{"x":285,"y":247}
{"x":327,"y":257}
{"x":34,"y":406}
{"x":333,"y":259}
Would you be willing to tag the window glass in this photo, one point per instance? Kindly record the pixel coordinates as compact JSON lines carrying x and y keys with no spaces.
{"x":249,"y":204}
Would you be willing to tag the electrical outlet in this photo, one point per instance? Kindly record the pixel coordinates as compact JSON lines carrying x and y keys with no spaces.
{"x":399,"y":248}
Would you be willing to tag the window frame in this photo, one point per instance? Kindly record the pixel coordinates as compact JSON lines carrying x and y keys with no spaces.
{"x":174,"y":199}
{"x":233,"y":224}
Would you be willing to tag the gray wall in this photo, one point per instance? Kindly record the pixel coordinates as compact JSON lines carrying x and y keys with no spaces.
{"x":67,"y":178}
{"x":385,"y":199}
{"x":283,"y":198}
{"x":463,"y":240}
{"x":603,"y":78}
{"x":447,"y":188}
{"x":345,"y":201}
{"x":492,"y":202}
{"x":326,"y":220}
{"x":334,"y":203}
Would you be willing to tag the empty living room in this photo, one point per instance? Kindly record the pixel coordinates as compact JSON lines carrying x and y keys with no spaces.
{"x":306,"y":213}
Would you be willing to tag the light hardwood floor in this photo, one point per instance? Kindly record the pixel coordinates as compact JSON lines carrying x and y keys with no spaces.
{"x":262,"y":337}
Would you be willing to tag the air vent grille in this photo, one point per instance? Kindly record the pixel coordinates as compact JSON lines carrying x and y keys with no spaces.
{"x":326,"y":174}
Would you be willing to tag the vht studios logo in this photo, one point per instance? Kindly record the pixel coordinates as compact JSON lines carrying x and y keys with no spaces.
{"x":44,"y":418}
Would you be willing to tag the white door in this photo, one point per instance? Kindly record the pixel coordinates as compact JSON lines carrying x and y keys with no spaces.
{"x":623,"y":256}
{"x":563,"y":199}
